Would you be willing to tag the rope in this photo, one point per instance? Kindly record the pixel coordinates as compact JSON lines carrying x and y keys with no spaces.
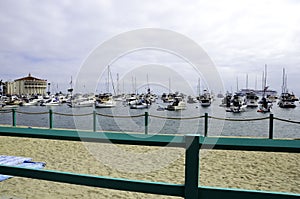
{"x":66,"y":114}
{"x":284,"y":120}
{"x":32,"y":113}
{"x":121,"y":116}
{"x":176,"y":118}
{"x":238,"y":120}
{"x":155,"y":116}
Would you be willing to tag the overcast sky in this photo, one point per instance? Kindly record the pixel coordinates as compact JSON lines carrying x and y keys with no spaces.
{"x":51,"y":39}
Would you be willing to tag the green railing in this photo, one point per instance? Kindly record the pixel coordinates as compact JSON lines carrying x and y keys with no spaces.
{"x":206,"y":117}
{"x":191,"y":143}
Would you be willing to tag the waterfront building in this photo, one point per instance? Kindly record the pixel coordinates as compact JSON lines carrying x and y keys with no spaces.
{"x":26,"y":86}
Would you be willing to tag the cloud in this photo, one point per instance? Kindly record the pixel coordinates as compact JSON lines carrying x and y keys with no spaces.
{"x":52,"y":39}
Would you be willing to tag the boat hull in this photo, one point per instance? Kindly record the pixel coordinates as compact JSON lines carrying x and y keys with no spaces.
{"x":105,"y":105}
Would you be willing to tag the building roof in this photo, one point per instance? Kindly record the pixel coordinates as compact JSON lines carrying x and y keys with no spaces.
{"x":29,"y":77}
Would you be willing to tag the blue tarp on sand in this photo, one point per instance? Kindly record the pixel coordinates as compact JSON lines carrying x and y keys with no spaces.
{"x":20,"y":162}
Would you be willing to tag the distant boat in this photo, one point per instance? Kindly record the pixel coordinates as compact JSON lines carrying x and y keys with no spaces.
{"x":236,"y":109}
{"x":139,"y":106}
{"x":286,"y":100}
{"x":265,"y":106}
{"x":237,"y":105}
{"x":51,"y":102}
{"x":168,"y":98}
{"x":141,"y":103}
{"x":251,"y":100}
{"x":178,"y":104}
{"x":205,"y":99}
{"x":220,"y":95}
{"x":226,"y":101}
{"x":82,"y":102}
{"x":191,"y":100}
{"x":105,"y":104}
{"x":32,"y":102}
{"x":105,"y":101}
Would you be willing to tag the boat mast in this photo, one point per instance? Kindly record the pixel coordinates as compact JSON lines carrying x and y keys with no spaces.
{"x":132,"y":84}
{"x":123,"y":87}
{"x":237,"y":84}
{"x":255,"y":82}
{"x":135,"y":88}
{"x":169,"y":85}
{"x":265,"y":76}
{"x":265,"y":81}
{"x":118,"y":86}
{"x":148,"y":89}
{"x":247,"y":81}
{"x":262,"y":80}
{"x":112,"y":83}
{"x":109,"y":75}
{"x":283,"y":81}
{"x":199,"y":90}
{"x":108,"y":79}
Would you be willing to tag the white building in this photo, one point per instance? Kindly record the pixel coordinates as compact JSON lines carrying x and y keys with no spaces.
{"x":27,"y":86}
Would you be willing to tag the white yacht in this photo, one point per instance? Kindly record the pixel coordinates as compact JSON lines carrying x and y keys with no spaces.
{"x":251,"y":100}
{"x":105,"y":101}
{"x":82,"y":102}
{"x":205,"y":99}
{"x":51,"y":102}
{"x":178,"y":104}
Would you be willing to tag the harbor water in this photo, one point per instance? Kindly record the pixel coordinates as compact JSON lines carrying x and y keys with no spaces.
{"x":187,"y":121}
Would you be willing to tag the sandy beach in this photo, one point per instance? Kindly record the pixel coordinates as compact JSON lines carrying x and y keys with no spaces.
{"x":232,"y":169}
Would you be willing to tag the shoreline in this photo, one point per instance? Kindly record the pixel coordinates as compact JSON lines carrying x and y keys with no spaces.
{"x":268,"y":171}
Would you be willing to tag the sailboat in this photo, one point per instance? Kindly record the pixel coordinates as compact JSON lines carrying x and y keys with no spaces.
{"x":106,"y":100}
{"x":265,"y":104}
{"x":286,"y":100}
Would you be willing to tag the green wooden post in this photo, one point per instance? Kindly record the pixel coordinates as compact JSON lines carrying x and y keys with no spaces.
{"x":146,"y":122}
{"x":14,"y":117}
{"x":205,"y":124}
{"x":271,"y":126}
{"x":50,"y":119}
{"x":94,"y":121}
{"x":192,"y":148}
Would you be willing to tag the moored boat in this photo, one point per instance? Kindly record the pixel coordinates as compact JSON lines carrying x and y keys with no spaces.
{"x":178,"y":104}
{"x":265,"y":106}
{"x":286,"y":101}
{"x":105,"y":101}
{"x":251,"y":100}
{"x":205,"y":99}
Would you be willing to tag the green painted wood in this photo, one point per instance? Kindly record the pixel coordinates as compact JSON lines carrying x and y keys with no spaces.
{"x":96,"y":181}
{"x":225,"y":193}
{"x":249,"y":144}
{"x":89,"y":136}
{"x":146,"y":122}
{"x":271,"y":126}
{"x":50,"y":118}
{"x":14,"y":118}
{"x":94,"y":121}
{"x":141,"y":186}
{"x":205,"y":124}
{"x":192,"y":147}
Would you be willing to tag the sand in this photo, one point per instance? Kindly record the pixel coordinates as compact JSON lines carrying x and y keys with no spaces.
{"x":220,"y":168}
